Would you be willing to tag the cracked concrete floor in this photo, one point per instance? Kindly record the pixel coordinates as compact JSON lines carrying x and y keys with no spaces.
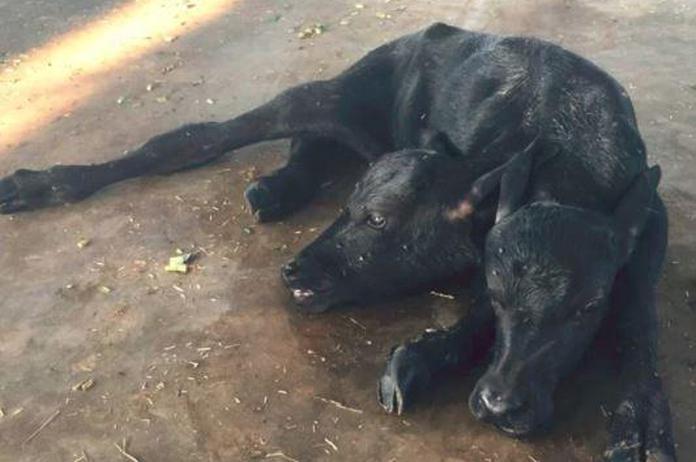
{"x":215,"y":365}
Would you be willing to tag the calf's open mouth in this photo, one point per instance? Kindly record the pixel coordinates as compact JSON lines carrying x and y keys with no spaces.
{"x":311,"y":294}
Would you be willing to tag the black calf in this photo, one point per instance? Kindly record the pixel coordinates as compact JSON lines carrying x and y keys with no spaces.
{"x":555,"y":231}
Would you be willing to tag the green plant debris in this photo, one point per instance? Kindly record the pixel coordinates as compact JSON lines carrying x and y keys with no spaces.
{"x":179,"y":263}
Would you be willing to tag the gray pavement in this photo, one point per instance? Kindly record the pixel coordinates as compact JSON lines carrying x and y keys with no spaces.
{"x":215,"y":365}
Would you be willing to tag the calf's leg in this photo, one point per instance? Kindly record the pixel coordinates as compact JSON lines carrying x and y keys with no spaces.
{"x":641,"y":428}
{"x":316,"y":109}
{"x":312,"y":162}
{"x":412,"y":366}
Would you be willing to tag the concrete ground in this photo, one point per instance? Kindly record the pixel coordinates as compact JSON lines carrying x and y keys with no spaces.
{"x":215,"y":365}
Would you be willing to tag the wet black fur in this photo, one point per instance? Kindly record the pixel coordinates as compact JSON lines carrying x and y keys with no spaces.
{"x":556,"y":234}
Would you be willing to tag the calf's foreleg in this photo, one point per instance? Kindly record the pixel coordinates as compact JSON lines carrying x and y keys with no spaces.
{"x":412,"y":366}
{"x":641,"y":428}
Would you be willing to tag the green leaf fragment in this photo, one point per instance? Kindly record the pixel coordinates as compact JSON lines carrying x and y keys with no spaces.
{"x":179,"y":263}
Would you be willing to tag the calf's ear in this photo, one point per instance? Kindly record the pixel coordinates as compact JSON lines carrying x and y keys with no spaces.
{"x":439,"y":141}
{"x":634,"y":208}
{"x":512,"y":177}
{"x":513,"y":183}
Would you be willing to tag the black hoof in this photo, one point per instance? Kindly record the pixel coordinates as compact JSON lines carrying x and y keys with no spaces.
{"x":263,"y":205}
{"x":32,"y":189}
{"x":10,"y":201}
{"x":405,"y":377}
{"x":274,"y":197}
{"x":641,"y":430}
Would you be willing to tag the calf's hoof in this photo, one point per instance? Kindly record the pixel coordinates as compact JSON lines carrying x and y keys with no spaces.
{"x":32,"y":189}
{"x":641,"y":429}
{"x":276,"y":196}
{"x":10,"y":200}
{"x":406,"y":376}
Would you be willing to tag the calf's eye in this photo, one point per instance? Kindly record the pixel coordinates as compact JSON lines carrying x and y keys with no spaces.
{"x":376,"y":221}
{"x":586,"y":309}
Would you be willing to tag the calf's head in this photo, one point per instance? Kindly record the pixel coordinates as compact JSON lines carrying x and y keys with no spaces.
{"x":391,"y":237}
{"x":549,"y":269}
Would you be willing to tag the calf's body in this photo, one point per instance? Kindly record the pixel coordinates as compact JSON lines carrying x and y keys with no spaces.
{"x":473,"y":140}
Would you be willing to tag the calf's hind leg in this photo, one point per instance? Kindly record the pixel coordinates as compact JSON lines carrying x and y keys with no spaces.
{"x":315,"y":109}
{"x":313,"y":161}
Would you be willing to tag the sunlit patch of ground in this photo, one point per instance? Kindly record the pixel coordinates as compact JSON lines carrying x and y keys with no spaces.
{"x":55,"y":78}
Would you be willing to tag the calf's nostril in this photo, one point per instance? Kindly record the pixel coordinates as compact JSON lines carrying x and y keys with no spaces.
{"x":490,"y":399}
{"x":497,"y":403}
{"x":290,"y":269}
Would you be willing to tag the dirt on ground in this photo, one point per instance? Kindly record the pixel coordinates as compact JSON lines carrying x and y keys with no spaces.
{"x":99,"y":345}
